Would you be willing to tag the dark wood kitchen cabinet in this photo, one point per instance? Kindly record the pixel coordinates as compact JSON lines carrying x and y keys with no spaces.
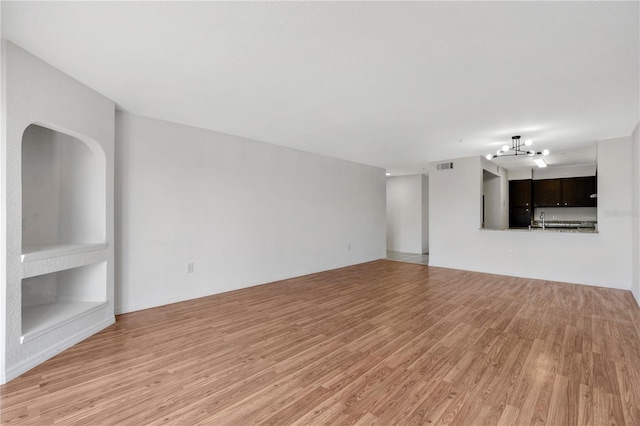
{"x":547,"y":193}
{"x":520,"y":209}
{"x":520,"y":217}
{"x":520,"y":193}
{"x":565,"y":192}
{"x":576,"y":192}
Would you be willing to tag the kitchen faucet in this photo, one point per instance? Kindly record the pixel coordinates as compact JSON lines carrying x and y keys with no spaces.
{"x":542,"y":217}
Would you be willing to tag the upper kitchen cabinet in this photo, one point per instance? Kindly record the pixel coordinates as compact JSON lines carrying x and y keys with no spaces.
{"x":547,"y":193}
{"x":520,"y":193}
{"x":576,"y":192}
{"x":566,"y":192}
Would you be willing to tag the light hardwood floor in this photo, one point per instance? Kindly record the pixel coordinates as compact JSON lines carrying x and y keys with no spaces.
{"x":421,"y":259}
{"x":380,"y":343}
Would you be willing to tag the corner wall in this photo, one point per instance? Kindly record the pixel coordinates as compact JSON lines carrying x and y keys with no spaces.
{"x":602,"y":259}
{"x":425,"y":214}
{"x":635,"y":213}
{"x":243,"y":212}
{"x":495,"y":187}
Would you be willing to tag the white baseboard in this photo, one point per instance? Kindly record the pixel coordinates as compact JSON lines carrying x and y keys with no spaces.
{"x":34,"y":361}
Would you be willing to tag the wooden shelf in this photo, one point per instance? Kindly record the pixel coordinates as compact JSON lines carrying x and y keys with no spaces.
{"x":41,"y":319}
{"x":46,"y":251}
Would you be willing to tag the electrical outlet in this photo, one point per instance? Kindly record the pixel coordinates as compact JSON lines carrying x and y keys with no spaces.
{"x":509,"y":252}
{"x":189,"y":267}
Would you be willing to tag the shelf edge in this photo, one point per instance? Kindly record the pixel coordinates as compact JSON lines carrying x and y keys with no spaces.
{"x":64,"y":250}
{"x":34,"y":335}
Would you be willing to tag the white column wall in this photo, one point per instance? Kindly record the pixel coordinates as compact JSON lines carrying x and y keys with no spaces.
{"x":635,"y":213}
{"x":425,"y":214}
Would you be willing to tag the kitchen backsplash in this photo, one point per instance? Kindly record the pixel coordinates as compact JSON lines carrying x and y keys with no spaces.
{"x":585,"y":214}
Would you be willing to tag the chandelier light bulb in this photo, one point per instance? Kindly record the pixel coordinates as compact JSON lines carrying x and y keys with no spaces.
{"x":517,"y":147}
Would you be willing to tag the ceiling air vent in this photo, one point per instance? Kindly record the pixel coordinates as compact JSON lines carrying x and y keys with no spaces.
{"x":445,"y":166}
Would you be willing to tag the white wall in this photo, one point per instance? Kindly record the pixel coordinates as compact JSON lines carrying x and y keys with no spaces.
{"x":602,"y":259}
{"x":243,"y":212}
{"x":425,"y":214}
{"x":520,"y":173}
{"x":3,"y":208}
{"x":552,"y":172}
{"x":491,"y":191}
{"x":404,"y":214}
{"x":495,"y":191}
{"x":564,"y":172}
{"x":504,"y":198}
{"x":635,"y":212}
{"x":495,"y":188}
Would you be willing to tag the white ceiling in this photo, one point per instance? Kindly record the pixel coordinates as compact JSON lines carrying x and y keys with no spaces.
{"x":391,"y":84}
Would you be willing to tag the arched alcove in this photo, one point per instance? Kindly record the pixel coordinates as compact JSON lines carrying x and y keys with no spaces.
{"x":63,"y":230}
{"x":63,"y":190}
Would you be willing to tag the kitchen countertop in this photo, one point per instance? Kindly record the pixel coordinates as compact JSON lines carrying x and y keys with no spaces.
{"x":557,"y":229}
{"x":565,"y":226}
{"x":552,"y":230}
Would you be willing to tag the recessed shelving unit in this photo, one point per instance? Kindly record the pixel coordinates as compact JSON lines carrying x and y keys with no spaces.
{"x":63,"y":226}
{"x":52,"y":300}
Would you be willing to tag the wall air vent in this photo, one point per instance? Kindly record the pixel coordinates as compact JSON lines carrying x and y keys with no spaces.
{"x":445,"y":166}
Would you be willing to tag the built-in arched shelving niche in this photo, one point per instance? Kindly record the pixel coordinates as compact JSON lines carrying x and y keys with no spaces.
{"x":63,"y":192}
{"x":63,"y":230}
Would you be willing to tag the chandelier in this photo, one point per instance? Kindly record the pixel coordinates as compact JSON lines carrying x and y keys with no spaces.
{"x":520,"y":148}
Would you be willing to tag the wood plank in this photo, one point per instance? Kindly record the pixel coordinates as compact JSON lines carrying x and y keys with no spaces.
{"x":374,"y":344}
